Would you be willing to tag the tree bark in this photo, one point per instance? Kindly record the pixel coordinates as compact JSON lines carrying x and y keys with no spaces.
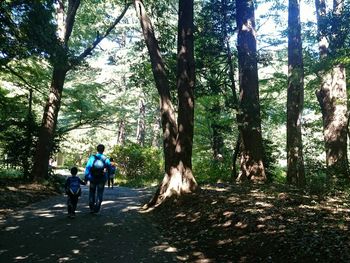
{"x":48,"y":125}
{"x":295,"y":98}
{"x":121,"y":133}
{"x":168,"y":120}
{"x":141,"y":126}
{"x":249,"y":121}
{"x":185,"y":89}
{"x":177,"y":138}
{"x":332,"y":95}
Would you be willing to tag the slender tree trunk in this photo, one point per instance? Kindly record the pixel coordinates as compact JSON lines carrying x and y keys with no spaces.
{"x":295,"y":98}
{"x":121,"y":133}
{"x":156,"y":127}
{"x":29,"y":137}
{"x":232,"y":85}
{"x":218,"y":141}
{"x":249,"y":121}
{"x":234,"y":157}
{"x":141,"y":126}
{"x":332,"y":95}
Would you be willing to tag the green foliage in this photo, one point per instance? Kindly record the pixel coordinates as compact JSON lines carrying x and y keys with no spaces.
{"x":138,"y":165}
{"x":10,"y":173}
{"x":208,"y":170}
{"x":26,"y":28}
{"x":17,"y":130}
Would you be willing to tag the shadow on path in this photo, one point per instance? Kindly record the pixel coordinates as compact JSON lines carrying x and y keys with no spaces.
{"x":42,"y":232}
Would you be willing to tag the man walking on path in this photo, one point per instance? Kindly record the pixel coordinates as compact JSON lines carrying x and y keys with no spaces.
{"x":95,"y":173}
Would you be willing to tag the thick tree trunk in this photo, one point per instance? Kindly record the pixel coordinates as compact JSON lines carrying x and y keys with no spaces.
{"x":48,"y":126}
{"x":185,"y":89}
{"x":295,"y":98}
{"x":177,"y":139}
{"x":249,"y":120}
{"x":332,"y":95}
{"x":168,"y":120}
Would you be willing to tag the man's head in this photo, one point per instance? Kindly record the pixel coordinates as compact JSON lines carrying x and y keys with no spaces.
{"x":74,"y":171}
{"x":100,"y":148}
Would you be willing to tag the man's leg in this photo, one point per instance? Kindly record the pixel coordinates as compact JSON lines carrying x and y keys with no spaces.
{"x":92,"y":193}
{"x":100,"y":189}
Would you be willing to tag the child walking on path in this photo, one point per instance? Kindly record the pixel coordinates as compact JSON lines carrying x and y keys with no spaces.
{"x":112,"y":173}
{"x":73,"y":190}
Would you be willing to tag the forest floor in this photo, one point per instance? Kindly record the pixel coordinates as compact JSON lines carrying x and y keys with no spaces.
{"x":221,"y":223}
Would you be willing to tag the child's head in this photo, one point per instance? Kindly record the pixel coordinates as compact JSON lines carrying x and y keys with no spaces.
{"x":74,"y":171}
{"x":111,"y":159}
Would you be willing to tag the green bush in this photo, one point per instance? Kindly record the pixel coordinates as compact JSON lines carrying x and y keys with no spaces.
{"x":207,"y":170}
{"x":11,"y":173}
{"x":137,"y":165}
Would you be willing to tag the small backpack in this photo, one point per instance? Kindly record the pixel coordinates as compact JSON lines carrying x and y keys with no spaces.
{"x":74,"y":186}
{"x":97,"y":169}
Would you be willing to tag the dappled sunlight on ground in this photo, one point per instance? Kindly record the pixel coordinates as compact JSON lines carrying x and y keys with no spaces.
{"x":42,"y":232}
{"x":257,"y":224}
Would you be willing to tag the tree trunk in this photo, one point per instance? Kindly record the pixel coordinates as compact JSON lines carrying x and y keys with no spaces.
{"x":234,"y":158}
{"x":168,"y":120}
{"x":332,"y":95}
{"x":178,"y":177}
{"x":295,"y":98}
{"x":249,"y":121}
{"x":185,"y":89}
{"x":156,"y":126}
{"x":61,"y":66}
{"x":121,"y":133}
{"x":218,"y":141}
{"x":141,"y":126}
{"x":48,"y":125}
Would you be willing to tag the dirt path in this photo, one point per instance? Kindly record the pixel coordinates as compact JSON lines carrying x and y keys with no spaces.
{"x":42,"y":232}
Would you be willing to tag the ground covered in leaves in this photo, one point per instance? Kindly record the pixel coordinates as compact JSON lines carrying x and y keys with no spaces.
{"x":237,"y":223}
{"x":15,"y":194}
{"x":271,"y":223}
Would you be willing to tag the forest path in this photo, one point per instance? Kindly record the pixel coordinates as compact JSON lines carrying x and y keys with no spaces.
{"x":42,"y":232}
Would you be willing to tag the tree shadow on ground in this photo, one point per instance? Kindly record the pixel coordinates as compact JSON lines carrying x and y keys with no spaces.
{"x":42,"y":232}
{"x":243,"y":223}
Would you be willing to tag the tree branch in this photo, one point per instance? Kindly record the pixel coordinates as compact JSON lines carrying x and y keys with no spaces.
{"x":98,"y":39}
{"x":13,"y":72}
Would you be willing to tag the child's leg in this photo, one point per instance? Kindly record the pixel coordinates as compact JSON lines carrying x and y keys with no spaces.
{"x":69,"y":205}
{"x":74,"y":203}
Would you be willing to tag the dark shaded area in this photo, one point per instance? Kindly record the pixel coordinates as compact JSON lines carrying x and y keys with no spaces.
{"x":270,"y":223}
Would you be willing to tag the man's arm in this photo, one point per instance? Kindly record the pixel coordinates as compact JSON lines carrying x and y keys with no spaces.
{"x":88,"y":167}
